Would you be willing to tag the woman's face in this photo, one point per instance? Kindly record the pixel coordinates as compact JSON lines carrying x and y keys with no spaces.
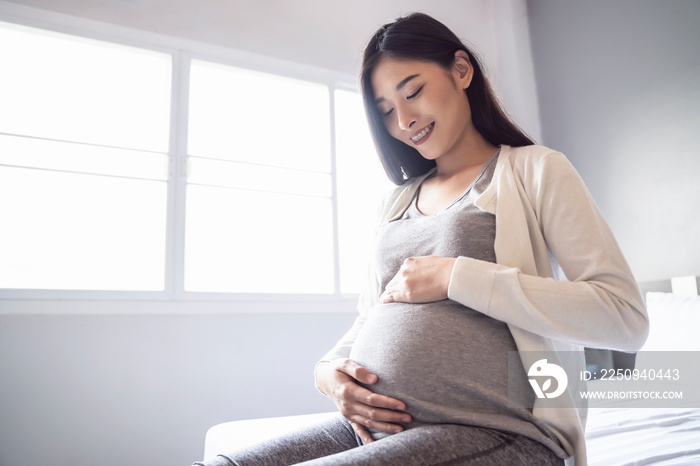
{"x":423,"y":105}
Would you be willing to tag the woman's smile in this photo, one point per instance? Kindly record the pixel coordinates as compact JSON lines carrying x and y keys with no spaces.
{"x":421,"y":136}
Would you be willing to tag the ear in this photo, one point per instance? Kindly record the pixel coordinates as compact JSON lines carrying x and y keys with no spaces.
{"x":462,"y":69}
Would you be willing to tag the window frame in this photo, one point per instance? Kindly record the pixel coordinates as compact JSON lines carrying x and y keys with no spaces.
{"x":182,"y":52}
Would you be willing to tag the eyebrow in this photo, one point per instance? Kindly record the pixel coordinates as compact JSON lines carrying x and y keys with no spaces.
{"x":399,"y":86}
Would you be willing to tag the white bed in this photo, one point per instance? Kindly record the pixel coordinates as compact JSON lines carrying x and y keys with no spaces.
{"x":641,"y":436}
{"x":628,"y":433}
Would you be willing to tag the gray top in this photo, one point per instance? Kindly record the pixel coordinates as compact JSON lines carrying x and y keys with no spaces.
{"x":447,"y":362}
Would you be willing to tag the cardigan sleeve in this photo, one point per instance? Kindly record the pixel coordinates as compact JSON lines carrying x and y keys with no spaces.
{"x":598,"y":305}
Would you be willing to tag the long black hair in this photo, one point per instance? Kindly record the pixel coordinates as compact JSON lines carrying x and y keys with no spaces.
{"x":421,"y":37}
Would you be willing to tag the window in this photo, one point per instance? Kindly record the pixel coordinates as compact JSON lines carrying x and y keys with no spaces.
{"x":259,"y":194}
{"x":278,"y":197}
{"x":361,"y":186}
{"x":83,"y":162}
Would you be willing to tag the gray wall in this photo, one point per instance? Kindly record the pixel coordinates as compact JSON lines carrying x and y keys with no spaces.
{"x":619,"y":93}
{"x":143,"y":389}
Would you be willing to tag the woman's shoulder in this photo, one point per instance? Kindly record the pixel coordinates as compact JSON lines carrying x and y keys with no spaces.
{"x":534,"y":159}
{"x":539,"y":168}
{"x":532,"y":154}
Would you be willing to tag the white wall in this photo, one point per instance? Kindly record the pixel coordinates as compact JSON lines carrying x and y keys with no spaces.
{"x":139,"y":382}
{"x":619,"y":95}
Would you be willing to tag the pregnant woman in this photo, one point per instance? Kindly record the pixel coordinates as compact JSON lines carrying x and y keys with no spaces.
{"x":490,"y":245}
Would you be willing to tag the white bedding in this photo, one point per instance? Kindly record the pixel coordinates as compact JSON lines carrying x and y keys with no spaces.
{"x":622,"y":432}
{"x":641,"y":436}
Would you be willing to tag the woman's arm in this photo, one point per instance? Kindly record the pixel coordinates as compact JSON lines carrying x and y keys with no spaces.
{"x":595,"y":312}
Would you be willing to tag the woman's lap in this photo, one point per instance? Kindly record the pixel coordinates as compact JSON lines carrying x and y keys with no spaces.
{"x":334,"y":443}
{"x":331,"y":436}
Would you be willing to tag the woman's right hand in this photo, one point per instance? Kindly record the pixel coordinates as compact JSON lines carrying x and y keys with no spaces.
{"x":364,"y":409}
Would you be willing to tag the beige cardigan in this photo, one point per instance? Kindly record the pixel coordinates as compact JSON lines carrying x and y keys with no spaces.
{"x":560,"y":281}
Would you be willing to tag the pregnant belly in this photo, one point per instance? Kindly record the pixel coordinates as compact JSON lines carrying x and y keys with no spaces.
{"x":435,"y":357}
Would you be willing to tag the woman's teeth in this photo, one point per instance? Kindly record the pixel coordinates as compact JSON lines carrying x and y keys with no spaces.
{"x":422,"y":134}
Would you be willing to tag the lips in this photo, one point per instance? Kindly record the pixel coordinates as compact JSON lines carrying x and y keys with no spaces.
{"x":420,"y":135}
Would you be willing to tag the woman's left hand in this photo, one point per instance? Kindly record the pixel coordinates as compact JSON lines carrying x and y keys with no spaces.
{"x":420,"y":280}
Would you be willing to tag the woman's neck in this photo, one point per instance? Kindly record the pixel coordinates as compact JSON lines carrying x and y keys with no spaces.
{"x":472,"y":151}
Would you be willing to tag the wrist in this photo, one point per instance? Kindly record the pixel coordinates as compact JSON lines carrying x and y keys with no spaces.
{"x":447,"y":273}
{"x":319,"y":379}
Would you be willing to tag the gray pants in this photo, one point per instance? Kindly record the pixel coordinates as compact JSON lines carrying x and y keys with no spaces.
{"x":334,"y":443}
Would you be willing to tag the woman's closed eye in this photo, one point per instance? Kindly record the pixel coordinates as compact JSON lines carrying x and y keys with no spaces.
{"x":415,"y":94}
{"x":387,"y":113}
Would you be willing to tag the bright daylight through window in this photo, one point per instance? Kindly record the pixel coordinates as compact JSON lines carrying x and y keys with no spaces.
{"x":279,"y":194}
{"x":259,"y":210}
{"x":83,"y":163}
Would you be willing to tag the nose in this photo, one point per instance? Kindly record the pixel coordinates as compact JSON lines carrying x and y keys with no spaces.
{"x":405,"y":117}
